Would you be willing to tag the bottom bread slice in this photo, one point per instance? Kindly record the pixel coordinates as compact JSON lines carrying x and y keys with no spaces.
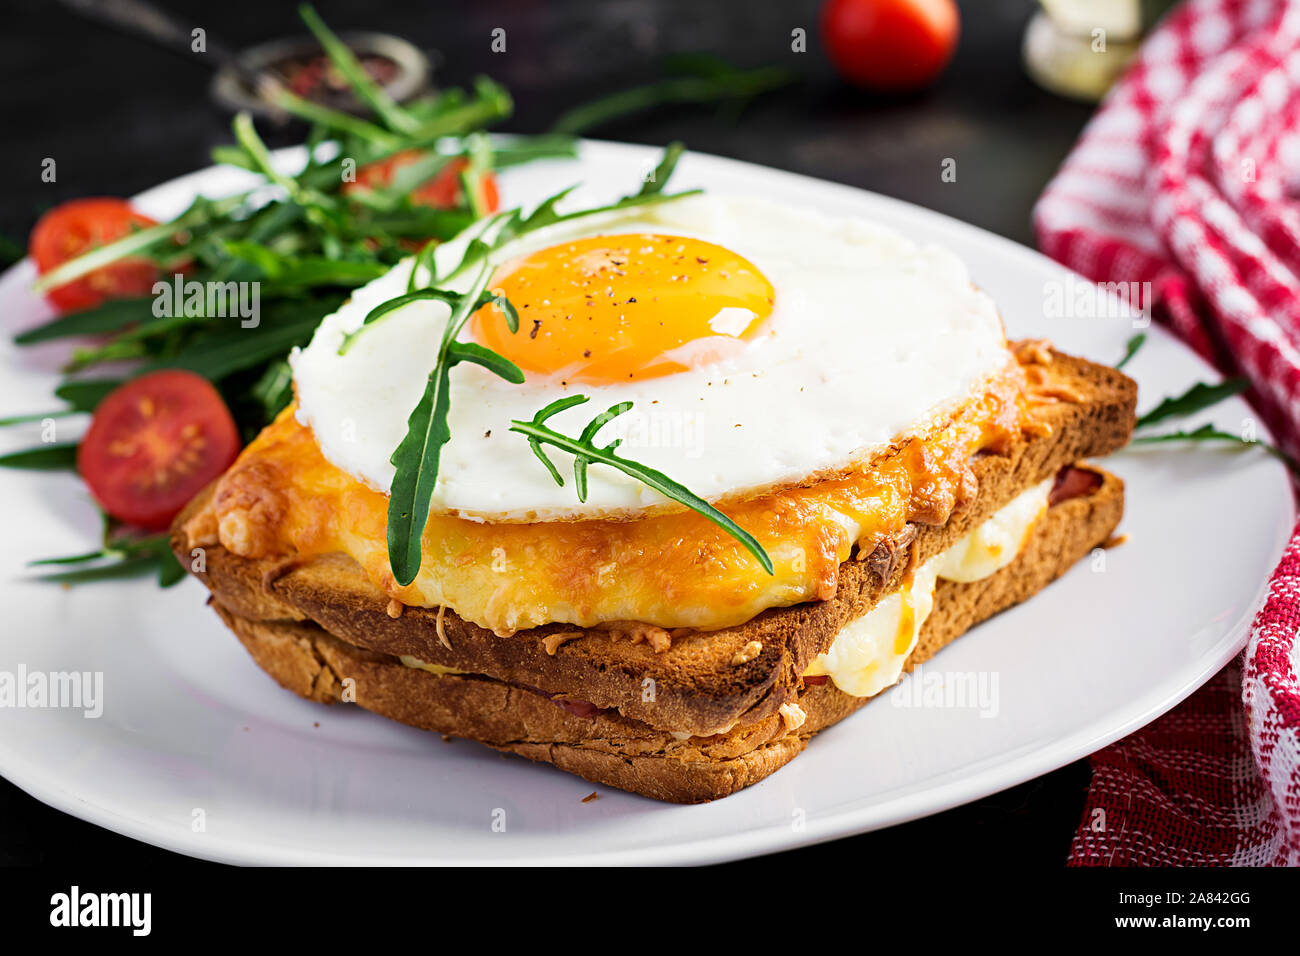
{"x":608,"y":748}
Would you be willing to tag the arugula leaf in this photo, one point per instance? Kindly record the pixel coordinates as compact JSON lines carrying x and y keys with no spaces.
{"x":285,"y":273}
{"x":506,"y":308}
{"x":1199,"y":396}
{"x":479,"y":152}
{"x":227,"y":155}
{"x":412,"y":176}
{"x":1131,"y":349}
{"x":527,"y":149}
{"x":82,"y":395}
{"x":73,"y":558}
{"x":628,"y":202}
{"x":170,"y":570}
{"x":411,"y":222}
{"x":124,"y":567}
{"x":545,"y":214}
{"x":392,"y":305}
{"x":35,"y":417}
{"x":588,"y":435}
{"x":116,"y":565}
{"x":213,"y":352}
{"x":424,"y":262}
{"x":52,"y":457}
{"x":274,"y":390}
{"x":491,"y":102}
{"x":319,"y":209}
{"x":557,"y":406}
{"x":112,"y":315}
{"x":417,"y":458}
{"x":216,"y":355}
{"x":729,"y":84}
{"x":345,"y":61}
{"x":476,"y":354}
{"x":315,"y":112}
{"x":115,"y":351}
{"x":1210,"y":433}
{"x":123,"y":556}
{"x":659,"y":177}
{"x":586,"y":452}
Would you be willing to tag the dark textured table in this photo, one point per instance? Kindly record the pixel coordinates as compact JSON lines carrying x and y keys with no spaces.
{"x":119,"y":116}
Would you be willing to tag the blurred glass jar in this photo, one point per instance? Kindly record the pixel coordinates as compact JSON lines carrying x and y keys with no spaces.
{"x":1077,"y":48}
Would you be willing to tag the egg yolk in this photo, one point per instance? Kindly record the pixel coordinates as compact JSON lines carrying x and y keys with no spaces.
{"x":609,"y":309}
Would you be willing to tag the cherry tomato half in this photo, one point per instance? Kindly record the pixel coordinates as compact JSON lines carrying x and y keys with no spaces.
{"x":78,"y":226}
{"x":890,"y":45}
{"x":441,"y":192}
{"x":154,"y":443}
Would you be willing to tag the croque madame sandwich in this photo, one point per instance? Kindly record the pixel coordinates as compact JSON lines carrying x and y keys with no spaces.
{"x":807,"y":459}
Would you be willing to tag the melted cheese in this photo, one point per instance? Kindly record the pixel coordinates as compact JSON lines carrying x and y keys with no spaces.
{"x":869,"y":653}
{"x":437,"y":670}
{"x":995,"y":543}
{"x":282,"y":498}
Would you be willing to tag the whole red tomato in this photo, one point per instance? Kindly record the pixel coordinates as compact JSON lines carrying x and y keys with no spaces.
{"x":890,"y":45}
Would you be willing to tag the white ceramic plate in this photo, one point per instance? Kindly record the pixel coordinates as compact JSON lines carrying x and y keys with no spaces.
{"x":192,"y":730}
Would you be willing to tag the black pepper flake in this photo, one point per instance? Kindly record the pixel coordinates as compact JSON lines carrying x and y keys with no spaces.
{"x":631,"y":300}
{"x":586,"y":353}
{"x":537,"y":324}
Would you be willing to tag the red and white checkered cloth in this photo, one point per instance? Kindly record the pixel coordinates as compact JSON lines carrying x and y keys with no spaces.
{"x":1187,"y":178}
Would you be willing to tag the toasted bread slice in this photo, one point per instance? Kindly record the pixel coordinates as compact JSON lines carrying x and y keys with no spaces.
{"x":705,"y":681}
{"x":622,"y":752}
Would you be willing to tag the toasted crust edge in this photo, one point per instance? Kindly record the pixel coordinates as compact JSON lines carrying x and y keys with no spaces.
{"x":627,"y":754}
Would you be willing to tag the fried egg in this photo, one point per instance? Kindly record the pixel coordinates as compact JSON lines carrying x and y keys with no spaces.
{"x":760,"y":345}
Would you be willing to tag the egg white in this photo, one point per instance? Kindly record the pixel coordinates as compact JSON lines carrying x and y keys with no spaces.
{"x":871,"y":336}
